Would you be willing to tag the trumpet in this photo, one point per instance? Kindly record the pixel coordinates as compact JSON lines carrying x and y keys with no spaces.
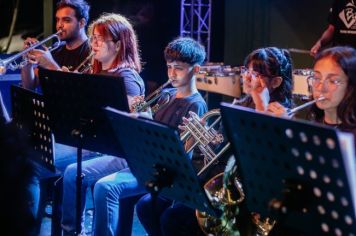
{"x":85,"y":66}
{"x":204,"y":136}
{"x":9,"y":63}
{"x":141,"y":104}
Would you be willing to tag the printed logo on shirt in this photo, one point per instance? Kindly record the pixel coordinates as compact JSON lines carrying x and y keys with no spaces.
{"x":348,"y":17}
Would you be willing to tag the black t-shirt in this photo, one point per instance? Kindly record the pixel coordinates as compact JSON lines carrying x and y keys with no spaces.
{"x":171,"y":113}
{"x":134,"y":84}
{"x":171,"y":109}
{"x":71,"y":58}
{"x":343,"y":128}
{"x":343,"y":17}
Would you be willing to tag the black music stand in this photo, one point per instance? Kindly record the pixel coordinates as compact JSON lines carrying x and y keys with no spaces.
{"x":74,"y":103}
{"x":293,"y":172}
{"x":29,"y":114}
{"x":157,"y":158}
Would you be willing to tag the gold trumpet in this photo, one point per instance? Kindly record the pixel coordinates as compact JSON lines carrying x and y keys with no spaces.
{"x":86,"y":65}
{"x":9,"y":63}
{"x":140,"y":104}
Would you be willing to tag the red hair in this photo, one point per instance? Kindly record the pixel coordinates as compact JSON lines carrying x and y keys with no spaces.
{"x":118,"y":28}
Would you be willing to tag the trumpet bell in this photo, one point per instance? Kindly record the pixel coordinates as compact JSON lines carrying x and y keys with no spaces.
{"x":226,"y":224}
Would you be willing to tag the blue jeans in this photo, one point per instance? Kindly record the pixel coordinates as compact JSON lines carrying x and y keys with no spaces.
{"x":149,"y":212}
{"x":93,"y":170}
{"x":180,"y":220}
{"x":161,"y":217}
{"x":107,"y":194}
{"x":33,"y":189}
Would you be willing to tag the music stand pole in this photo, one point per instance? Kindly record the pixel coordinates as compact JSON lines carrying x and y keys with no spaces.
{"x":79,"y":181}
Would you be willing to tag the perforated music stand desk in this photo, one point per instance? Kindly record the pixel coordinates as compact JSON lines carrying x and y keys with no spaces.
{"x":29,"y":115}
{"x":74,"y":103}
{"x":293,"y":172}
{"x":150,"y":147}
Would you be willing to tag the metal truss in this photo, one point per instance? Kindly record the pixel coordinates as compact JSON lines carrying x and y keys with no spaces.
{"x":195,"y":19}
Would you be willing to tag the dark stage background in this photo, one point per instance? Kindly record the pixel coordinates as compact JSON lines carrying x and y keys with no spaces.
{"x":238,"y":26}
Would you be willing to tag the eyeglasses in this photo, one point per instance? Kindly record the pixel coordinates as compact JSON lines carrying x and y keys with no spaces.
{"x":244,"y":71}
{"x":331,"y":83}
{"x":98,"y":39}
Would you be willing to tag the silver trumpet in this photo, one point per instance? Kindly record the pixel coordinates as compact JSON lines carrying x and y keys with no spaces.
{"x":203,"y":136}
{"x":9,"y":63}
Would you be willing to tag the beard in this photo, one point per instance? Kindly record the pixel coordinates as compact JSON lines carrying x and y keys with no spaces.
{"x":72,"y":35}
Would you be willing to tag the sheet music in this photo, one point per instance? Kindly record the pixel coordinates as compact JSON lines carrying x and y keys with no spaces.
{"x":347,"y":147}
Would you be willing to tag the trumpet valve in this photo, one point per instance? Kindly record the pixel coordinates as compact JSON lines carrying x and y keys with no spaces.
{"x":137,"y":103}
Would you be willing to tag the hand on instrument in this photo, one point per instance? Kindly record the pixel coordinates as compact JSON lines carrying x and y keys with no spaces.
{"x":65,"y":69}
{"x":28,"y":43}
{"x":42,"y":58}
{"x":315,"y":49}
{"x":136,"y":103}
{"x":276,"y":109}
{"x":186,"y":121}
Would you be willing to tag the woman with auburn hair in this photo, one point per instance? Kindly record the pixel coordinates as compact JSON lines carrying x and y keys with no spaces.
{"x":114,"y":44}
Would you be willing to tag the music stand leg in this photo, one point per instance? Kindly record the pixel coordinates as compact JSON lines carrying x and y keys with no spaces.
{"x":79,"y":180}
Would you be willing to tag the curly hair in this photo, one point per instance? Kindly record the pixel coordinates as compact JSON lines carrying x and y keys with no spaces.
{"x":272,"y":62}
{"x":186,"y":50}
{"x":345,"y":57}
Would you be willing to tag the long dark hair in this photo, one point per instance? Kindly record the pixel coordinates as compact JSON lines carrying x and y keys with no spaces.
{"x":345,"y":57}
{"x":272,"y":62}
{"x":120,"y":29}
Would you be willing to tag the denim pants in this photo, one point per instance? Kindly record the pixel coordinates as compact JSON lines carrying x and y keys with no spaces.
{"x":160,"y":217}
{"x":107,"y":194}
{"x":93,"y":170}
{"x":33,"y":189}
{"x":149,"y":212}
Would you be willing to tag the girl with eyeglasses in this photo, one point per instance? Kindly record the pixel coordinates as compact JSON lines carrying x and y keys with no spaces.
{"x":267,"y":79}
{"x":334,"y":78}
